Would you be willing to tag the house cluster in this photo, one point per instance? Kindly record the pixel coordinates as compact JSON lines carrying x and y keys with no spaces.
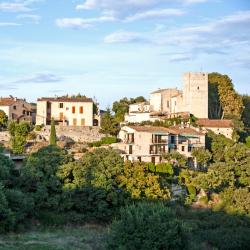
{"x":142,"y":143}
{"x":66,"y":111}
{"x":171,"y":102}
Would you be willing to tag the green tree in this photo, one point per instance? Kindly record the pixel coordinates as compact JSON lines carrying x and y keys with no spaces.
{"x":18,"y":133}
{"x":99,"y":170}
{"x":139,"y":183}
{"x":223,"y":99}
{"x":39,"y":176}
{"x":147,"y":226}
{"x":121,"y":107}
{"x":52,"y":138}
{"x":3,"y":119}
{"x":248,"y":141}
{"x":246,"y":112}
{"x":108,"y":125}
{"x":176,"y":159}
{"x":202,"y":156}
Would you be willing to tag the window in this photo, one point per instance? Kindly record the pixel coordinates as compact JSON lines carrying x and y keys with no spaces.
{"x":14,"y":107}
{"x":23,"y":112}
{"x":182,"y":148}
{"x":73,"y":110}
{"x":60,"y":105}
{"x":74,"y":122}
{"x":82,"y":122}
{"x":81,"y":110}
{"x":198,"y":88}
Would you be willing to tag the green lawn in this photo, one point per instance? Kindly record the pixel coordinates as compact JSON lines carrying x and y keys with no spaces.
{"x":68,"y":238}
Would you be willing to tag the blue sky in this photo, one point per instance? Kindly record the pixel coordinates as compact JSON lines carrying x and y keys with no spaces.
{"x":115,"y":48}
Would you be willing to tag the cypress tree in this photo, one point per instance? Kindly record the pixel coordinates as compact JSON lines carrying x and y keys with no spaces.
{"x":53,"y":133}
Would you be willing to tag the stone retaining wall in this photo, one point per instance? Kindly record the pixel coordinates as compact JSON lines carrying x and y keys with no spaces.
{"x":78,"y":134}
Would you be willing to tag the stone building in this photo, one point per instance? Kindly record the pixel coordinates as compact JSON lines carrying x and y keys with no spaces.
{"x":148,"y":143}
{"x":67,"y":111}
{"x":171,"y":102}
{"x":219,"y":127}
{"x":17,"y":109}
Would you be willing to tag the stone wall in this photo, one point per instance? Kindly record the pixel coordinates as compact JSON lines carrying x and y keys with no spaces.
{"x":4,"y":136}
{"x":78,"y":134}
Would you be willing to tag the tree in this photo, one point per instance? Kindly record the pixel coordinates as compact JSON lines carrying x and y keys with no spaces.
{"x":202,"y":156}
{"x":176,"y":158}
{"x":52,"y":138}
{"x":108,"y":124}
{"x":99,"y":170}
{"x":3,"y":119}
{"x":248,"y":141}
{"x":147,"y":226}
{"x":121,"y":107}
{"x":223,"y":99}
{"x":141,"y":184}
{"x":39,"y":176}
{"x":18,"y":133}
{"x":246,"y":112}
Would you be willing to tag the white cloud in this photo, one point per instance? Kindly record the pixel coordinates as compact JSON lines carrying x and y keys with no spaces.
{"x":7,"y":24}
{"x":33,"y":18}
{"x":155,"y":14}
{"x":40,"y":78}
{"x":123,"y":37}
{"x":17,"y":5}
{"x":82,"y":22}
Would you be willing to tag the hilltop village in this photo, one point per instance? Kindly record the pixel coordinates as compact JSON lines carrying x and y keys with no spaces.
{"x":168,"y":172}
{"x":78,"y":118}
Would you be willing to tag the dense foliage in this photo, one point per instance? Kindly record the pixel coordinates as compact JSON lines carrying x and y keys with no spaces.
{"x":147,"y":226}
{"x":162,"y":226}
{"x":121,"y":107}
{"x":52,"y":137}
{"x":19,"y":133}
{"x":223,"y":99}
{"x":3,"y":119}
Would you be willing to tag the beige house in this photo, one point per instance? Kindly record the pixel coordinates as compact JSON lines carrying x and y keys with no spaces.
{"x":17,"y":109}
{"x":66,"y":111}
{"x":219,"y":127}
{"x":171,"y":102}
{"x":148,"y":143}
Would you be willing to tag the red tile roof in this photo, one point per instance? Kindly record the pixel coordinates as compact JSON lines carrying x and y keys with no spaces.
{"x":64,"y":99}
{"x":172,"y":130}
{"x":215,"y":123}
{"x":7,"y":101}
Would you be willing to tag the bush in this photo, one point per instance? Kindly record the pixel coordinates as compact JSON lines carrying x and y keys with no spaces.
{"x":146,"y":226}
{"x":38,"y":128}
{"x":104,"y":141}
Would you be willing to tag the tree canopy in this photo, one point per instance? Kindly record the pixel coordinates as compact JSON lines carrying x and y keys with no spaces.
{"x":224,"y":102}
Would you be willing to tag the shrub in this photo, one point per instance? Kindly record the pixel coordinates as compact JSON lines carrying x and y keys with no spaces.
{"x":38,"y":128}
{"x":146,"y":226}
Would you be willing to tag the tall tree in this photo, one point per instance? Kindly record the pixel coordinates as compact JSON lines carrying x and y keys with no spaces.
{"x":246,"y":112}
{"x":52,"y":133}
{"x":224,"y":101}
{"x":108,"y":124}
{"x":3,"y":119}
{"x":121,"y":107}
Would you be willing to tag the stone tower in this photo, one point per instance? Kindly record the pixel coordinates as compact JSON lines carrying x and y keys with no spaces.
{"x":195,"y":94}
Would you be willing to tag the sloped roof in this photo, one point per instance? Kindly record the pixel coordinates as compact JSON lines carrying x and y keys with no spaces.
{"x":64,"y":99}
{"x":152,"y":129}
{"x":215,"y":123}
{"x":7,"y":101}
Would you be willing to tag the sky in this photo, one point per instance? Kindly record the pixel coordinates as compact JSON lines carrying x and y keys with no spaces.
{"x":110,"y":49}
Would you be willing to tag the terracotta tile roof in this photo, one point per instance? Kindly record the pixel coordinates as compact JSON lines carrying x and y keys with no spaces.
{"x":64,"y":99}
{"x":7,"y":101}
{"x":215,"y":123}
{"x":186,"y":131}
{"x":163,"y":90}
{"x":152,"y":129}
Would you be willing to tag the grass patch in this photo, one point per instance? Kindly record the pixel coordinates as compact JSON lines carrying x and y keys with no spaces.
{"x":89,"y":237}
